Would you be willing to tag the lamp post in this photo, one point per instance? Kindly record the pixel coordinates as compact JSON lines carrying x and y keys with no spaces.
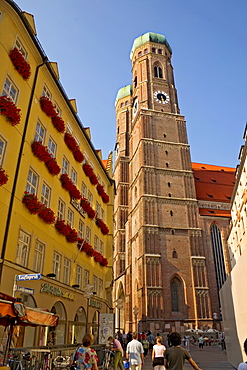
{"x":136,"y":312}
{"x":87,"y":294}
{"x":119,"y":305}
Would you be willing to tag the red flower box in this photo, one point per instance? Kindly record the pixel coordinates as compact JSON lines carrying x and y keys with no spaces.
{"x":58,"y":123}
{"x":73,"y":146}
{"x":68,"y":185}
{"x":104,"y":229}
{"x":62,"y":228}
{"x":87,"y":208}
{"x":104,"y":262}
{"x":41,"y":152}
{"x":93,"y":179}
{"x":21,"y":65}
{"x":102,"y":193}
{"x":83,"y":246}
{"x":3,"y":177}
{"x":47,"y":106}
{"x":32,"y":203}
{"x":105,"y":198}
{"x":9,"y":110}
{"x":89,"y":172}
{"x":72,"y":236}
{"x":47,"y":215}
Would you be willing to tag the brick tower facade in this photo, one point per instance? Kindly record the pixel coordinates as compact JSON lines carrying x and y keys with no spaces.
{"x":159,"y":263}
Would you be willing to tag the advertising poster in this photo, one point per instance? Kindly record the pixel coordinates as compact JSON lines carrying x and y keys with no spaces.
{"x":106,"y":327}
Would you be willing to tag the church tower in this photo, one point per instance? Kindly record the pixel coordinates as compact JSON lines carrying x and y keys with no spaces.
{"x":160,"y":270}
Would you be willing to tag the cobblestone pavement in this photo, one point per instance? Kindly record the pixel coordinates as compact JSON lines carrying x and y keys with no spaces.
{"x":210,"y":358}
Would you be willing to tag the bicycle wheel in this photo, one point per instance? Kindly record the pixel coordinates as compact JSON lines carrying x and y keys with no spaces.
{"x":105,"y":364}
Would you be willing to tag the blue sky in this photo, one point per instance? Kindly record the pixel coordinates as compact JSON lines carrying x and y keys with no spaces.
{"x":91,"y":42}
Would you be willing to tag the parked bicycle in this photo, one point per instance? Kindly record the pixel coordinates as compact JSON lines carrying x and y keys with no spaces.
{"x":61,"y":362}
{"x":108,"y":362}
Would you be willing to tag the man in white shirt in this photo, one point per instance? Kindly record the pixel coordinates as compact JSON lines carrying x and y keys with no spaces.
{"x":134,"y":353}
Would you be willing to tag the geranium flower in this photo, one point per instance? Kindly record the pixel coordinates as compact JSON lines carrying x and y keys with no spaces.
{"x":9,"y":110}
{"x":21,"y":65}
{"x":3,"y":177}
{"x":47,"y":215}
{"x":32,"y":203}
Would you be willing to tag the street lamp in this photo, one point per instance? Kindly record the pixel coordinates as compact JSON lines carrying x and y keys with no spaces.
{"x":119,"y":305}
{"x":136,"y":312}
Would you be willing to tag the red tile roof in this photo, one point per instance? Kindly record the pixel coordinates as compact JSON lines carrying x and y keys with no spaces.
{"x":214,"y":184}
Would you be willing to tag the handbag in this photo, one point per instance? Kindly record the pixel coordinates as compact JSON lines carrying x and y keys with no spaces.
{"x":158,"y":361}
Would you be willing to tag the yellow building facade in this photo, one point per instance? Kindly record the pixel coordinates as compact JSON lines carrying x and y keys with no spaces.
{"x":56,"y":193}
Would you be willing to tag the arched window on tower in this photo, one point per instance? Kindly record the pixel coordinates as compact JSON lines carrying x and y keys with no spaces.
{"x":219,"y":262}
{"x":158,"y":71}
{"x":174,"y":294}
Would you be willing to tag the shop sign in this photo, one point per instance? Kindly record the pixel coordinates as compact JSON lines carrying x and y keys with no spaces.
{"x":78,"y":207}
{"x":28,"y":277}
{"x":47,"y":288}
{"x":94,"y":303}
{"x":24,"y":290}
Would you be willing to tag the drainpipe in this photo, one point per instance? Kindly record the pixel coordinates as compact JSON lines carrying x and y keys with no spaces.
{"x":10,"y":210}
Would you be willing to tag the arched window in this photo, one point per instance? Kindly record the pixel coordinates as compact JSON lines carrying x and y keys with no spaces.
{"x":158,"y":72}
{"x":219,"y":262}
{"x":174,"y":295}
{"x":174,"y":254}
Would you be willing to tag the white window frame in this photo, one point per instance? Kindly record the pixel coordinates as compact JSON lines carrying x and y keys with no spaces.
{"x":46,"y":92}
{"x":81,"y":229}
{"x":95,"y":284}
{"x":40,"y":132}
{"x":19,"y":45}
{"x":86,"y":276}
{"x":45,"y":194}
{"x":73,"y":176}
{"x":90,"y":197}
{"x":66,"y":270}
{"x":3,"y":145}
{"x":78,"y":275}
{"x":23,"y":247}
{"x":39,"y":255}
{"x":100,"y":287}
{"x":83,"y":190}
{"x":57,"y":109}
{"x":70,"y":217}
{"x":96,"y":243}
{"x":69,"y":128}
{"x":32,"y":181}
{"x":10,"y":89}
{"x":65,"y":166}
{"x":56,"y":264}
{"x":61,"y":209}
{"x":88,"y":235}
{"x":52,"y":147}
{"x":101,"y":247}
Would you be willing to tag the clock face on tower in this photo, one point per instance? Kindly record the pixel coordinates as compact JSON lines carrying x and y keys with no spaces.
{"x":161,"y":97}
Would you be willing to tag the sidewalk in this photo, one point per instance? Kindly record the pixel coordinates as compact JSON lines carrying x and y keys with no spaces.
{"x":210,"y":358}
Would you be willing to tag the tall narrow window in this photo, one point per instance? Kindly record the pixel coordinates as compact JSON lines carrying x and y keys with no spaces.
{"x":52,"y":147}
{"x":158,"y":72}
{"x":174,"y":295}
{"x":100,"y":287}
{"x":88,"y":235}
{"x":90,"y":197}
{"x":10,"y":90}
{"x":45,"y":195}
{"x":101,"y":247}
{"x":2,"y":150}
{"x":39,"y":132}
{"x":32,"y":182}
{"x":96,"y":243}
{"x":66,"y":271}
{"x":219,"y":262}
{"x":23,"y":249}
{"x":57,"y":109}
{"x":81,"y":229}
{"x":56,"y":266}
{"x":60,"y":209}
{"x":98,"y":208}
{"x":95,"y":283}
{"x":78,"y":275}
{"x":39,"y":253}
{"x":86,"y":277}
{"x":46,"y":92}
{"x":70,"y":217}
{"x":74,"y":176}
{"x":65,"y":166}
{"x":83,"y":190}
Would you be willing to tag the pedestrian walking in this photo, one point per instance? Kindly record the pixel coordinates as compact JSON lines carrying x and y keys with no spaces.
{"x":176,"y":355}
{"x":201,"y":342}
{"x":134,"y":353}
{"x":150,"y":341}
{"x":158,"y":354}
{"x":118,"y":350}
{"x":85,"y":357}
{"x":243,"y":365}
{"x":187,"y":342}
{"x":145,"y":345}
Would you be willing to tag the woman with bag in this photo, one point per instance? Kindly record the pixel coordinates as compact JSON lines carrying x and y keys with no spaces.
{"x":158,"y":354}
{"x":85,"y":357}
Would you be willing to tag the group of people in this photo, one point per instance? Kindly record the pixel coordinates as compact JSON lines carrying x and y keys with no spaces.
{"x":172,"y":358}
